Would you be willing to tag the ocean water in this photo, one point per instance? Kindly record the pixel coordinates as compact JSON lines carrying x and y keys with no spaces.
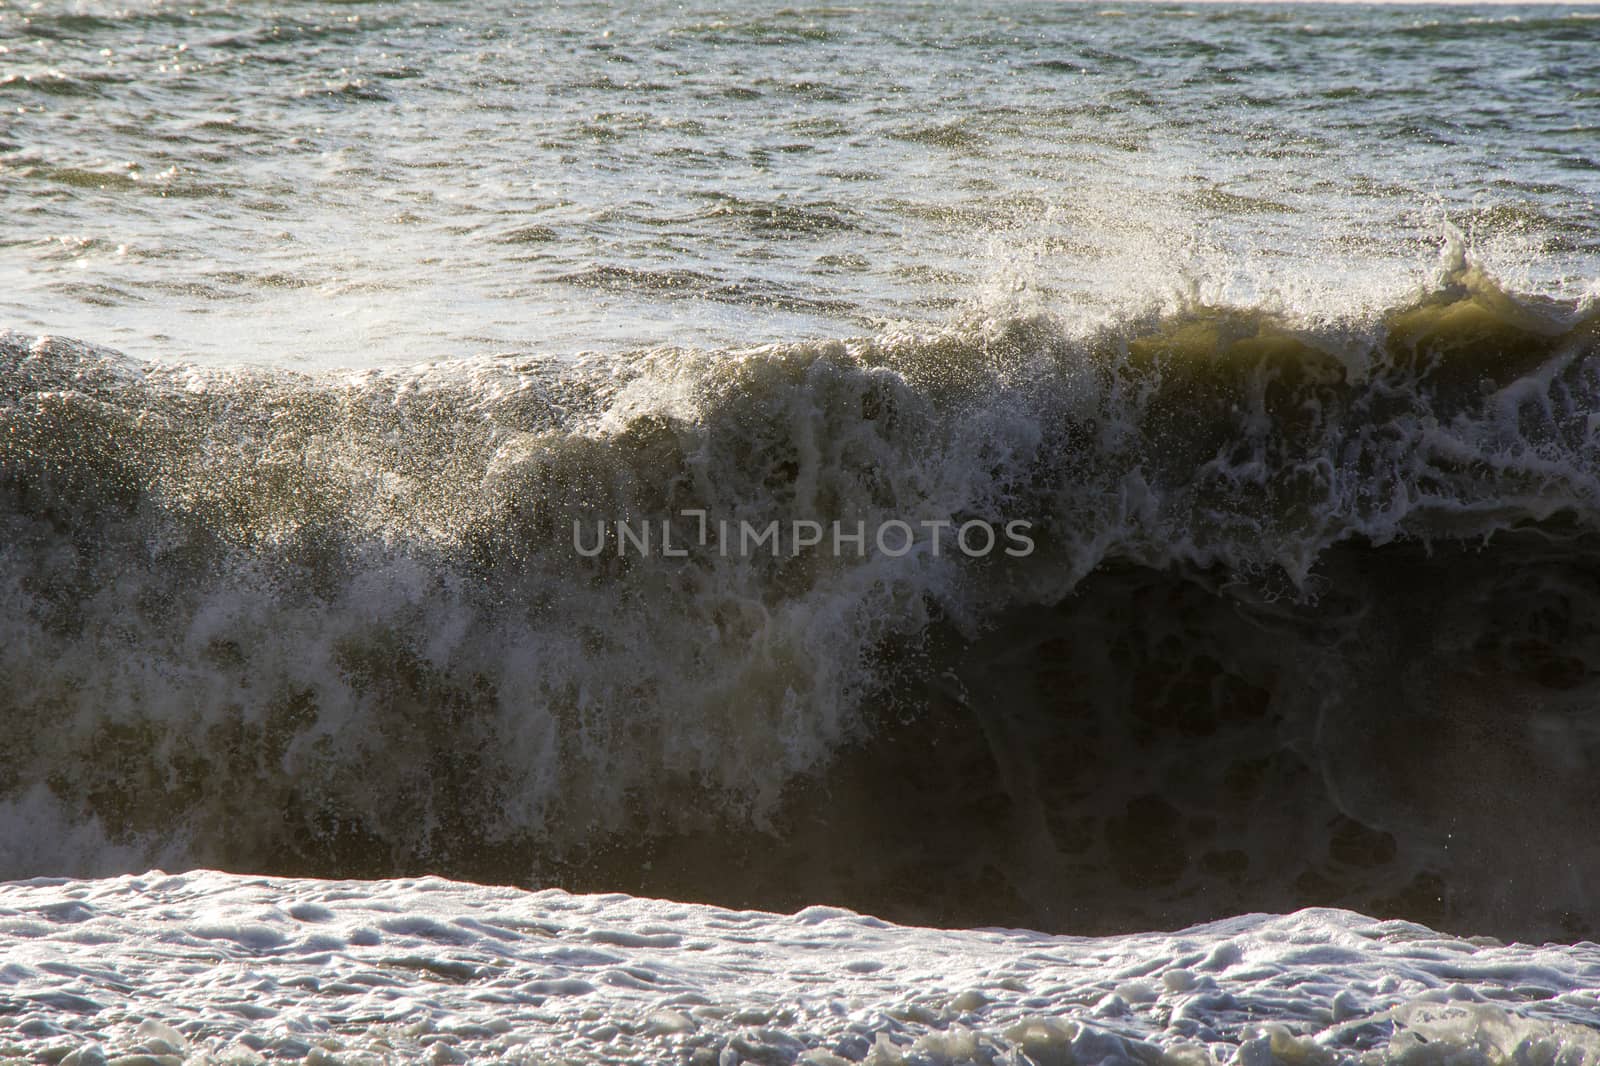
{"x":334,"y":184}
{"x":727,"y":472}
{"x":209,"y":967}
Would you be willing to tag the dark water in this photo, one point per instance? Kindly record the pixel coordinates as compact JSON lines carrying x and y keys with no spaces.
{"x":1311,"y":617}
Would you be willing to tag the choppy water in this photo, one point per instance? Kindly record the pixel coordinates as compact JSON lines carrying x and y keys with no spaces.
{"x":1276,"y":325}
{"x":339,"y":183}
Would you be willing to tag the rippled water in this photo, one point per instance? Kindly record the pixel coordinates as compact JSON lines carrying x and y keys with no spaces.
{"x":346,"y":183}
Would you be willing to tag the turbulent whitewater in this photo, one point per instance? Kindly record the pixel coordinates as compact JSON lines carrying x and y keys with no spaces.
{"x":1308,"y":602}
{"x":207,"y":967}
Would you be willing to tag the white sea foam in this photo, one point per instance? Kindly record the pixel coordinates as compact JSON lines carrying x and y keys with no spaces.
{"x":211,"y":967}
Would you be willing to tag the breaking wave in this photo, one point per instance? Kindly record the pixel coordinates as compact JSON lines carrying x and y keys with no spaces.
{"x":1313,"y":617}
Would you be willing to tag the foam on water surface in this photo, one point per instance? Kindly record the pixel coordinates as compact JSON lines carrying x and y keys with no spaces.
{"x":211,"y":967}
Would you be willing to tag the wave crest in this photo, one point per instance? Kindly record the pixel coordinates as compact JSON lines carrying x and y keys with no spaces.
{"x":336,"y":623}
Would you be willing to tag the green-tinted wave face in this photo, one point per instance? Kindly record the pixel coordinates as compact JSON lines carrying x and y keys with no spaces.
{"x":1300,"y":605}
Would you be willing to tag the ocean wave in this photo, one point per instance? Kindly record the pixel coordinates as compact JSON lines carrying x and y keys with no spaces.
{"x":1307,"y":600}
